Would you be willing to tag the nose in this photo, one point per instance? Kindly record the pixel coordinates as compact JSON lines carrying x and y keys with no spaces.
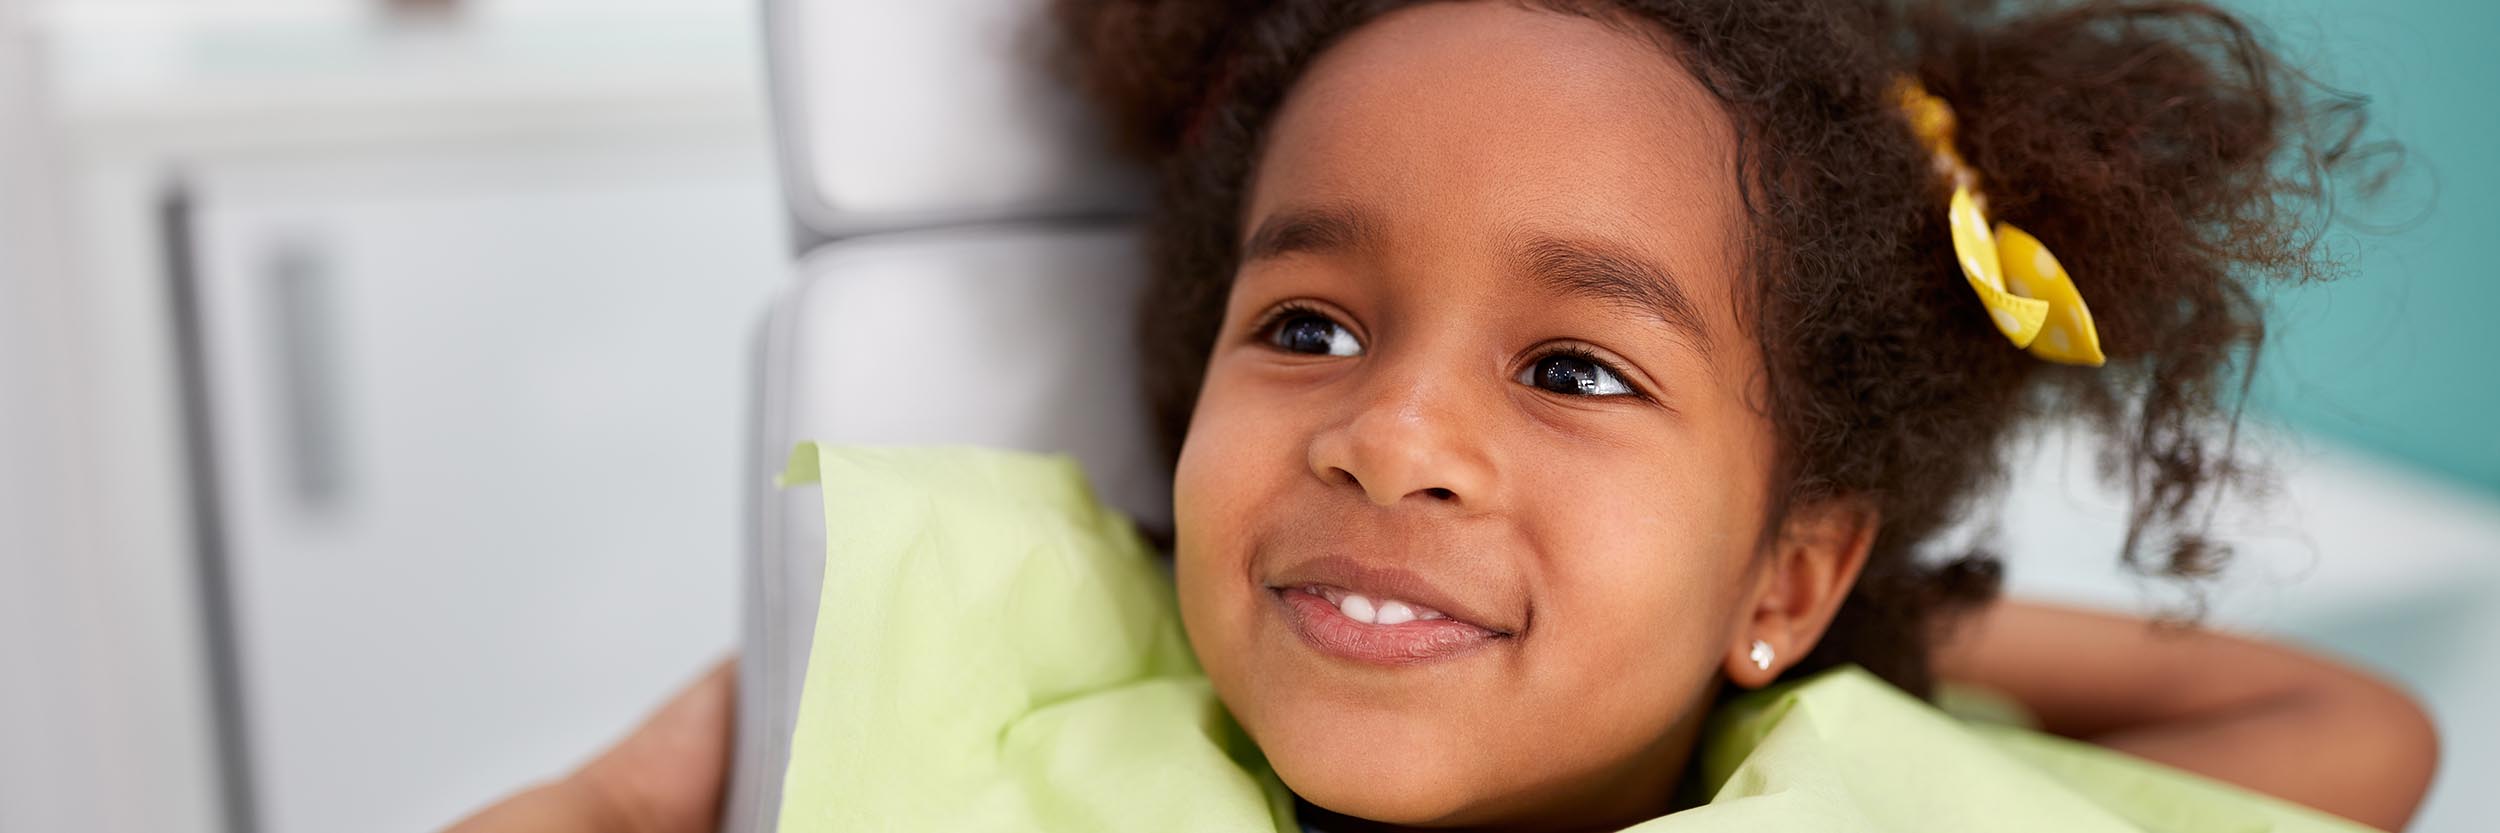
{"x":1410,"y":434}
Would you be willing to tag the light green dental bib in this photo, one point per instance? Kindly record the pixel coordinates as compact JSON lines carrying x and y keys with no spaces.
{"x":997,"y":651}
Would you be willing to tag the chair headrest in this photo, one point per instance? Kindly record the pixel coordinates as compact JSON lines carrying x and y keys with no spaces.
{"x":1000,"y":337}
{"x":904,"y":114}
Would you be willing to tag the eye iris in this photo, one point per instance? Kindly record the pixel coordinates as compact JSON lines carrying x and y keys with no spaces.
{"x":1567,"y":374}
{"x":1306,"y":334}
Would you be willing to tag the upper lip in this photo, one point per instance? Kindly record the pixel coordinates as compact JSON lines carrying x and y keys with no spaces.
{"x":1387,"y":582}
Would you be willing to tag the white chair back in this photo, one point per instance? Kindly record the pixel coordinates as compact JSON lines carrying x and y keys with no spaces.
{"x":969,"y":277}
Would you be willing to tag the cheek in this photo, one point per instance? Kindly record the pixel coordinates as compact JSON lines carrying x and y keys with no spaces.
{"x":1235,"y":459}
{"x":1647,"y":563}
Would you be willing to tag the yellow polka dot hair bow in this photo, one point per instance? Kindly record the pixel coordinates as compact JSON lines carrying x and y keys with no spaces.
{"x":2026,"y":292}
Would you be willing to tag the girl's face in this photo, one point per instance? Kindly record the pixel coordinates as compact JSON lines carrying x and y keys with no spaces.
{"x":1470,"y":515}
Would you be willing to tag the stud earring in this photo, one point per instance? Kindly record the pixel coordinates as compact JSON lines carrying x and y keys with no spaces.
{"x":1761,"y":655}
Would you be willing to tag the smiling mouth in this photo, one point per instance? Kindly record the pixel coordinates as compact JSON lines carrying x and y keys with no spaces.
{"x":1377,"y":630}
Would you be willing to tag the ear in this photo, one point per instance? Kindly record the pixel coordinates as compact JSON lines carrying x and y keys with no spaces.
{"x":1799,"y":585}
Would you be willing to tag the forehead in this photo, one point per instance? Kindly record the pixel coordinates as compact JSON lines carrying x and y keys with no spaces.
{"x":1460,"y":124}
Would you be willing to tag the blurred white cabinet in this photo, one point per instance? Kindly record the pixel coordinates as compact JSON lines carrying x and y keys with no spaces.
{"x":476,"y":417}
{"x":474,"y":294}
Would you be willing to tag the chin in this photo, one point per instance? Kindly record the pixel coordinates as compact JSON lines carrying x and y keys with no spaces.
{"x":1365,"y":794}
{"x":1377,"y":767}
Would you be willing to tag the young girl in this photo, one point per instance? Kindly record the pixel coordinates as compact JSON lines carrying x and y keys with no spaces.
{"x":1541,"y":373}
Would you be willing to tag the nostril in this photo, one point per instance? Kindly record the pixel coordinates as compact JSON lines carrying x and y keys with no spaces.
{"x":1439,"y":493}
{"x":1346,"y":478}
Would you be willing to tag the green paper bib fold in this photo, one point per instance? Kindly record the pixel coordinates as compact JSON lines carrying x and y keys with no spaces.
{"x":994,"y":650}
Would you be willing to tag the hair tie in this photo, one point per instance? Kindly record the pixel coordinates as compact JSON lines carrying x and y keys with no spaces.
{"x":2028,"y":295}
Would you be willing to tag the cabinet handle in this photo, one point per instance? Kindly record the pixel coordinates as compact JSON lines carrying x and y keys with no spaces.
{"x":304,"y":355}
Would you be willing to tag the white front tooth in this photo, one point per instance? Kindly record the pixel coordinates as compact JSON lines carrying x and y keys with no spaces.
{"x":1357,"y":608}
{"x":1396,"y":613}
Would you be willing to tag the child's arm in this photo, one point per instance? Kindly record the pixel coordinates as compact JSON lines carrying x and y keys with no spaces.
{"x":2256,"y":714}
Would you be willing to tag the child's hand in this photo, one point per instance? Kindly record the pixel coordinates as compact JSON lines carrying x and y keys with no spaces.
{"x":665,"y":777}
{"x":2259,"y":715}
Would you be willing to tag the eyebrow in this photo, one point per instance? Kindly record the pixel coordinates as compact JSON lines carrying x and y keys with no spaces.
{"x":1610,"y":274}
{"x":1313,"y":230}
{"x":1599,"y":271}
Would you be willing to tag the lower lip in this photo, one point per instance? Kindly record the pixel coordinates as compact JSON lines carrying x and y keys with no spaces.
{"x":1327,"y":629}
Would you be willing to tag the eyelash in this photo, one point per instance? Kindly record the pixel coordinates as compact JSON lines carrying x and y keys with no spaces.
{"x":1284,"y":312}
{"x":1265,"y":334}
{"x":1585,"y":354}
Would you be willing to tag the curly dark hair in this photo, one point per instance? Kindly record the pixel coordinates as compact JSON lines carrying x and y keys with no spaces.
{"x":2161,"y":149}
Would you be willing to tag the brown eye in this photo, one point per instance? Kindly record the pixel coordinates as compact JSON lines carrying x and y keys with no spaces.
{"x":1314,"y":334}
{"x":1574,"y":375}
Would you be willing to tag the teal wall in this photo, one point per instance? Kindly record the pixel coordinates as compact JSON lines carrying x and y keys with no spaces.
{"x":2402,"y":357}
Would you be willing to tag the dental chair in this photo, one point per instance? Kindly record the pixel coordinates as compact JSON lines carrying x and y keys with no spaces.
{"x":966,"y":270}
